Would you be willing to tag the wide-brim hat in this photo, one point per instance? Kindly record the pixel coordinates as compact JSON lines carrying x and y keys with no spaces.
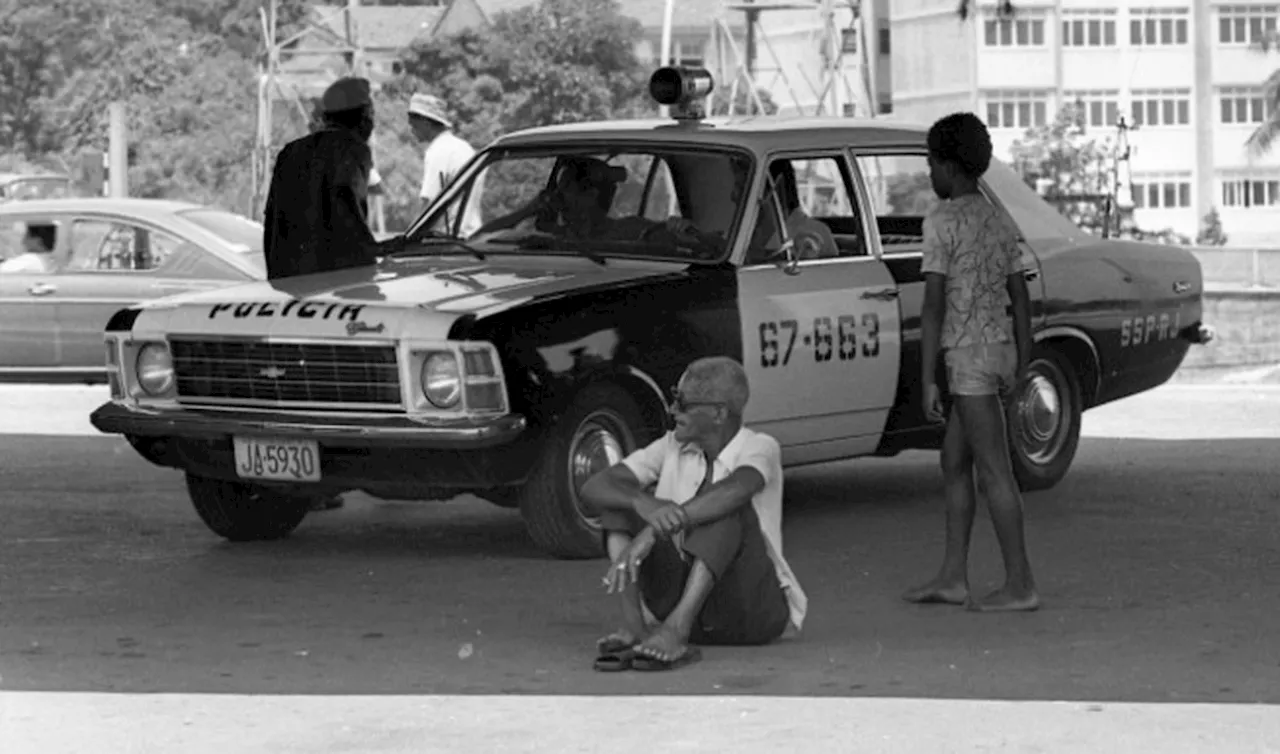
{"x":430,"y":107}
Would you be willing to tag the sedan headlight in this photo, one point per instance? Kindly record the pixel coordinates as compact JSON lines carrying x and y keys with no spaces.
{"x":441,"y":379}
{"x":154,"y":369}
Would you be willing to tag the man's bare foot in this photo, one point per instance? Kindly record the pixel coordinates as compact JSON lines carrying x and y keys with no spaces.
{"x":1006,"y":600}
{"x":938,"y":592}
{"x":663,"y":644}
{"x":617,"y":641}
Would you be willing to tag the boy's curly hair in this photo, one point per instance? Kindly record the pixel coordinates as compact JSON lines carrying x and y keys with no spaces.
{"x":962,"y":139}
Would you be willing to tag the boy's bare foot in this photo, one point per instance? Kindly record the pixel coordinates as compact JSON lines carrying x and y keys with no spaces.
{"x":938,"y":592}
{"x":1006,"y":600}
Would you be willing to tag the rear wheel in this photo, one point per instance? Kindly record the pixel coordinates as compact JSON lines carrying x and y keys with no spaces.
{"x":1044,"y":421}
{"x":243,"y":512}
{"x":602,"y":426}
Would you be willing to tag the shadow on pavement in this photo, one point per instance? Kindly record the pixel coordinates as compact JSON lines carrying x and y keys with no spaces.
{"x":1156,"y":560}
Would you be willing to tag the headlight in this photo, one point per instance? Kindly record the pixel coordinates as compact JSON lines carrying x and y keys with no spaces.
{"x":155,"y":369}
{"x":441,"y":379}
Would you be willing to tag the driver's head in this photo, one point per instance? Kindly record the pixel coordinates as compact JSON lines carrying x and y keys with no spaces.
{"x":40,"y":239}
{"x":587,"y":185}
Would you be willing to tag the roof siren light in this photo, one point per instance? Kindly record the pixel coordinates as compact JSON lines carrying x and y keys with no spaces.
{"x":684,"y":90}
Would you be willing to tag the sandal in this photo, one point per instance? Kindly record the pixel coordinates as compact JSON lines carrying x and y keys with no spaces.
{"x":648,"y":664}
{"x":615,"y":661}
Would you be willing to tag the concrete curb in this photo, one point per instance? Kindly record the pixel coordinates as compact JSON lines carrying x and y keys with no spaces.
{"x":52,"y":723}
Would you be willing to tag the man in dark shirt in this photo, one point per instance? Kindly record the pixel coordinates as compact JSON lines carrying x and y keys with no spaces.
{"x":317,"y":210}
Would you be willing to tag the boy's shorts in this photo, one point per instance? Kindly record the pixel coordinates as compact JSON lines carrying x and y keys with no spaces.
{"x":984,"y":369}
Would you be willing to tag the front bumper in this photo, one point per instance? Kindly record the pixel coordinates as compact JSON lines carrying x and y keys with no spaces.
{"x":1198,"y":334}
{"x":389,"y":457}
{"x":370,"y":432}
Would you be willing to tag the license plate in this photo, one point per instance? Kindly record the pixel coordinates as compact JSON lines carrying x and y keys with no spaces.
{"x":277,"y":459}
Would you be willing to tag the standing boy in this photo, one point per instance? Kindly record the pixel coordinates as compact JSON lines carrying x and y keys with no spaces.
{"x":977,"y":315}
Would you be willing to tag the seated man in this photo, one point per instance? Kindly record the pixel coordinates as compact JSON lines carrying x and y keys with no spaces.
{"x":37,"y":252}
{"x":578,"y":204}
{"x":704,"y":553}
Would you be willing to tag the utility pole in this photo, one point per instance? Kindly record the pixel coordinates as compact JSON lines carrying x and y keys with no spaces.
{"x":117,"y":151}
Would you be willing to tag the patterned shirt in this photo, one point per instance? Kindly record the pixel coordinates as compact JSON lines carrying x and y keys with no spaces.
{"x":971,"y":242}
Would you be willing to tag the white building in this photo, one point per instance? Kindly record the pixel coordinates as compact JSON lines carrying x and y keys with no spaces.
{"x":1182,"y":70}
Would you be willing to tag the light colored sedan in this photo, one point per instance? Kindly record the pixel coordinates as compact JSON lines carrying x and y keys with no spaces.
{"x":108,"y":254}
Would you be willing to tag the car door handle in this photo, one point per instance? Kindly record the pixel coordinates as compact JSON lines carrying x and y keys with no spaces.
{"x":1181,"y":286}
{"x":884,"y":294}
{"x":1031,"y":274}
{"x":42,"y":289}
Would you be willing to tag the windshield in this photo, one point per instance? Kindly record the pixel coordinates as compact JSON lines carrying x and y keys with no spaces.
{"x":242,"y":234}
{"x":25,"y":189}
{"x":651,"y":202}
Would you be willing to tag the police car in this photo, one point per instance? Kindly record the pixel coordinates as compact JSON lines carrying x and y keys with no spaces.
{"x":528,"y":335}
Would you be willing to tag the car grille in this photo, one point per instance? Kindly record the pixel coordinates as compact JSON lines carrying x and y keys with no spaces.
{"x":255,"y":373}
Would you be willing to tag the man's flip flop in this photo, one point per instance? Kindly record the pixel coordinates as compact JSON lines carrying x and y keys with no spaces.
{"x":615,"y":661}
{"x":653,"y":664}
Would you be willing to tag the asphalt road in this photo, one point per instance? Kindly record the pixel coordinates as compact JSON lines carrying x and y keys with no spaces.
{"x":1156,"y":558}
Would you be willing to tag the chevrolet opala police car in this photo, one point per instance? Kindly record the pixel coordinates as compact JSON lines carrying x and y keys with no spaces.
{"x":529,"y":334}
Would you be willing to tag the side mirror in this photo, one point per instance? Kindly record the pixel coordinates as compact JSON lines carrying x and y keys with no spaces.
{"x":788,"y":262}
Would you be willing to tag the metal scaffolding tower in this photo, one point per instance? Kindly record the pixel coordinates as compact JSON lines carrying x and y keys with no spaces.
{"x":844,"y":85}
{"x":273,"y":89}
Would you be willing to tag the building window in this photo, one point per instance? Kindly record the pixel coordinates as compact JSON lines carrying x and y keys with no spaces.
{"x":1246,"y":24}
{"x":1162,"y":192}
{"x":884,"y":36}
{"x":1097,"y":109}
{"x":1158,"y":26}
{"x":686,"y":54}
{"x":1250,"y":192}
{"x":1021,"y":110}
{"x":1240,"y":105}
{"x":1014,"y":32}
{"x":1089,"y":28}
{"x":1162,"y":107}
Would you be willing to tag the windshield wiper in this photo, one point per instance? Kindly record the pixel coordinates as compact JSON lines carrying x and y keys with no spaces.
{"x":437,"y":239}
{"x":546,"y":243}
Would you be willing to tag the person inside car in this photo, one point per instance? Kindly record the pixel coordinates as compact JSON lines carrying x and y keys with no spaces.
{"x":702,"y":552}
{"x":37,"y":252}
{"x":578,"y":204}
{"x":810,"y":238}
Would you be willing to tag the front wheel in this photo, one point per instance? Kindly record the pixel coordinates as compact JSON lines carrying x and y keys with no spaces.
{"x":602,"y":426}
{"x":1044,"y":421}
{"x":243,"y":512}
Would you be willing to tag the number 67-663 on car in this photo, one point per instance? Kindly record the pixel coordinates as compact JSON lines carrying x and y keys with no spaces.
{"x":510,"y":354}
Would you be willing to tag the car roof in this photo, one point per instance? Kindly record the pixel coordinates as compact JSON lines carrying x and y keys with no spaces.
{"x":758,"y":133}
{"x":143,"y":208}
{"x":6,"y":177}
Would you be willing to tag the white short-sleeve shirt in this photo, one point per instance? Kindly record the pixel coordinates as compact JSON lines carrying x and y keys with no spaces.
{"x":678,"y":470}
{"x":442,"y":160}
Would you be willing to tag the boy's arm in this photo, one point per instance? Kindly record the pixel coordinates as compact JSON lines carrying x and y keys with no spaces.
{"x":934,"y":267}
{"x":1021,"y":305}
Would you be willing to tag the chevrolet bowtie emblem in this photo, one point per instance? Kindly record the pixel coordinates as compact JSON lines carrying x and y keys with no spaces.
{"x":357,"y":327}
{"x":272,"y":373}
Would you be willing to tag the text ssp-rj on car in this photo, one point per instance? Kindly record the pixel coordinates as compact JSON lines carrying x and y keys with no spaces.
{"x":530,"y":334}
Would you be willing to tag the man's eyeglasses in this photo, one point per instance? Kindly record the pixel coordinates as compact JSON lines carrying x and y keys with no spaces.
{"x":681,"y":405}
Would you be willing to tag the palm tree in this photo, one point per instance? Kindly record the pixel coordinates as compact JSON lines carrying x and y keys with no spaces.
{"x":1260,"y":141}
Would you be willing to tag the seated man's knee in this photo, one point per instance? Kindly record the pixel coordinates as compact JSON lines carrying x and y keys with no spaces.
{"x":716,"y":543}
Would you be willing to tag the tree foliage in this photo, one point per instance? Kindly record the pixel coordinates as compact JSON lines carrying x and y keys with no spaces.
{"x":1068,"y":167}
{"x":1211,"y":233}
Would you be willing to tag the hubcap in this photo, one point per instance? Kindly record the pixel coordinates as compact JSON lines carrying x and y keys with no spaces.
{"x":1040,"y":416}
{"x":602,"y":439}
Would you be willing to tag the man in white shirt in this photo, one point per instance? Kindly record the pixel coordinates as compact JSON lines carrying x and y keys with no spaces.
{"x":37,"y":252}
{"x":702,"y":554}
{"x":446,"y":153}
